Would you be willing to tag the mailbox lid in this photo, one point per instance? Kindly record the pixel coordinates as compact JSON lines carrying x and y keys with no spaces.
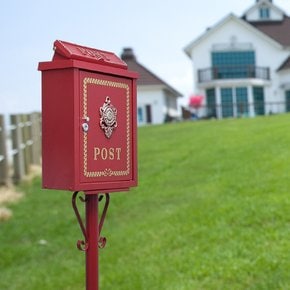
{"x":108,"y":138}
{"x":64,"y":49}
{"x":70,"y":55}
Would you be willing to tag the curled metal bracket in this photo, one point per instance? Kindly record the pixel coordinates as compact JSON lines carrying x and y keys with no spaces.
{"x":82,"y":245}
{"x":103,"y":240}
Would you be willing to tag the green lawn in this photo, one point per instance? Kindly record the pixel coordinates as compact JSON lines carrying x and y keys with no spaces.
{"x":211,"y":212}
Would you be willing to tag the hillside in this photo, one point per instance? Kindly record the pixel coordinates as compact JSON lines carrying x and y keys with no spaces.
{"x":211,"y":212}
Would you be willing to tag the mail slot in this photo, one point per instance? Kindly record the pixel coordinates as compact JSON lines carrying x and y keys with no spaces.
{"x":89,"y":123}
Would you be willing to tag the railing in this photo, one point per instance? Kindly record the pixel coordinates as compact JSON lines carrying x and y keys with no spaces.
{"x":233,"y":72}
{"x":236,"y":110}
{"x":20,"y":146}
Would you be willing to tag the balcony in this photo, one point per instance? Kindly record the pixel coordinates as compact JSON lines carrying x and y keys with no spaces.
{"x":233,"y":72}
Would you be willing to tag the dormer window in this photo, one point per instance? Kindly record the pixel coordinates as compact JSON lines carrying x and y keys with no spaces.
{"x":264,"y":12}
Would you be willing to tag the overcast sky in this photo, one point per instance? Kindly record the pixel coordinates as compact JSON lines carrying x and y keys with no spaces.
{"x":157,"y":30}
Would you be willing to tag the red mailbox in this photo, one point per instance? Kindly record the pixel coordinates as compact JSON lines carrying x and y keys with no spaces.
{"x":89,"y":120}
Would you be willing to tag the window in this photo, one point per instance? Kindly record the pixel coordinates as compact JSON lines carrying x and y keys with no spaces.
{"x":288,"y":101}
{"x":148,"y":114}
{"x":140,"y":115}
{"x":233,"y":64}
{"x":227,"y":102}
{"x":144,"y":114}
{"x":211,"y":103}
{"x":258,"y":93}
{"x":242,"y":101}
{"x":264,"y":13}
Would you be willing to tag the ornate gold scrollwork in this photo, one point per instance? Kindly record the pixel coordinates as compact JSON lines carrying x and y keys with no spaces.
{"x":108,"y":120}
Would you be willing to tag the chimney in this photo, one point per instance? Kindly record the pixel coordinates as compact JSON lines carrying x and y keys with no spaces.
{"x":128,"y":54}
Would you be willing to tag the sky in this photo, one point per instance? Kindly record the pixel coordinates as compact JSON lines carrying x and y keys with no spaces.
{"x":157,"y":31}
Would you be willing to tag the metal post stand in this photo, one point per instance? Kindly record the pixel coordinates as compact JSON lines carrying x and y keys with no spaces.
{"x":92,"y":253}
{"x":92,"y":239}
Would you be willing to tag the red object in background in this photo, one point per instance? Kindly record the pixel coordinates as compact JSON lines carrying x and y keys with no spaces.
{"x":89,"y":121}
{"x":195,"y":101}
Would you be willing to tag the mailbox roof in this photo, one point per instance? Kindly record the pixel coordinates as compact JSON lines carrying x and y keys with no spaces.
{"x":67,"y":50}
{"x":68,"y":55}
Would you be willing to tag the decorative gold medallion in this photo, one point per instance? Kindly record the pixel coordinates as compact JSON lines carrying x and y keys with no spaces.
{"x":108,"y":120}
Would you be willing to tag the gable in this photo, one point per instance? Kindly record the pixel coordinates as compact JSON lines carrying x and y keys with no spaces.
{"x":264,"y":10}
{"x":229,"y":28}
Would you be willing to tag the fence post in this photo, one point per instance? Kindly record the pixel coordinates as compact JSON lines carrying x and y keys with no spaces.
{"x":17,"y":148}
{"x":35,"y":132}
{"x":26,"y":141}
{"x":3,"y":153}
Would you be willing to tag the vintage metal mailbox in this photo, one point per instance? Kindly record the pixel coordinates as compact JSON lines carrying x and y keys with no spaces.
{"x":89,"y":120}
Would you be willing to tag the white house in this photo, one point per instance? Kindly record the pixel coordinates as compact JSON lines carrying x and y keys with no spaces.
{"x":242,"y":64}
{"x":156,"y":100}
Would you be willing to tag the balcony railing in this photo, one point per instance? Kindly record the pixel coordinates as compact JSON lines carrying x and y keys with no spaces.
{"x":233,"y":72}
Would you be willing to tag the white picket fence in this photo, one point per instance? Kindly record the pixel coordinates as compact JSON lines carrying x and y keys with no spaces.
{"x":20,"y":146}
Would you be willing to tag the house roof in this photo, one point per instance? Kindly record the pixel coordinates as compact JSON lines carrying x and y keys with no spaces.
{"x":278,"y":30}
{"x":285,"y":65}
{"x":146,"y":77}
{"x":225,"y":20}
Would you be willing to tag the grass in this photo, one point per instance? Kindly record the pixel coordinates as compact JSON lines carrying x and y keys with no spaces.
{"x":211,"y":212}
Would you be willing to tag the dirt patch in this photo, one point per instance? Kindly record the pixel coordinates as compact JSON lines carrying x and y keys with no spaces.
{"x":5,"y":214}
{"x":34,"y":170}
{"x":8,"y":195}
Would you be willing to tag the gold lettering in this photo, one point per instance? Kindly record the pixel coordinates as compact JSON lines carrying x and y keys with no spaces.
{"x":118,"y":150}
{"x":104,"y":153}
{"x":96,"y":153}
{"x":111,"y":153}
{"x":107,"y":153}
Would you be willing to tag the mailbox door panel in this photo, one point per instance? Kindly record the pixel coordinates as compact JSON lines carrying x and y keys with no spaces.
{"x":106,"y":143}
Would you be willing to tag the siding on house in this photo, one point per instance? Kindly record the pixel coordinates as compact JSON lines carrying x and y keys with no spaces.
{"x":156,"y":100}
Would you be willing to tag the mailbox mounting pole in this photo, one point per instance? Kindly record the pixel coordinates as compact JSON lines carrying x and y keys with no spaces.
{"x":89,"y":135}
{"x":92,"y":252}
{"x":92,"y":235}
